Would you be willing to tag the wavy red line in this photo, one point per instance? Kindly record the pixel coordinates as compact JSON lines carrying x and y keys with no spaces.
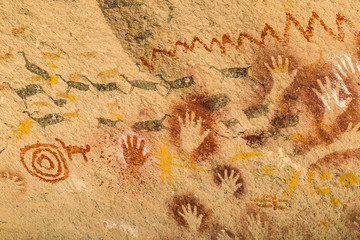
{"x":307,"y":33}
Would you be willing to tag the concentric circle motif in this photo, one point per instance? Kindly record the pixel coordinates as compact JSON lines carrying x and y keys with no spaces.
{"x":44,"y":161}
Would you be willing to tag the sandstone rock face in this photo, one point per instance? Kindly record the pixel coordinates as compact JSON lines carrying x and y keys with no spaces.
{"x":179,"y":119}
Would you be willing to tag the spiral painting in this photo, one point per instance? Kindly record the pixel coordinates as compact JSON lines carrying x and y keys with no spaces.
{"x":44,"y":161}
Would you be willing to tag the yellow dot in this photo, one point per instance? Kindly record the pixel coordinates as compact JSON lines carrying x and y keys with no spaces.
{"x":334,"y":201}
{"x":52,"y":79}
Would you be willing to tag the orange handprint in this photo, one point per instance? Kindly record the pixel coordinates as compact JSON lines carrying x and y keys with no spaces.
{"x":134,"y":155}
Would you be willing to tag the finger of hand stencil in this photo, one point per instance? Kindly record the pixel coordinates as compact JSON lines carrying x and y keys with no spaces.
{"x":340,"y":67}
{"x":350,"y":64}
{"x":336,"y":93}
{"x":275,"y":67}
{"x":280,"y":62}
{"x":286,"y":65}
{"x":123,"y":145}
{"x":221,"y":178}
{"x":181,"y":214}
{"x":206,"y":133}
{"x":128,"y":141}
{"x":250,"y":219}
{"x":268,"y":67}
{"x":189,"y":208}
{"x":320,"y":96}
{"x":195,"y":210}
{"x":328,"y":86}
{"x":349,"y":128}
{"x":134,"y":141}
{"x":142,"y":145}
{"x":187,"y":119}
{"x":198,"y":124}
{"x":238,"y":185}
{"x":192,"y":118}
{"x":343,"y":64}
{"x":322,"y":88}
{"x":231,"y":174}
{"x":357,"y":66}
{"x":200,"y":217}
{"x":184,"y":209}
{"x":236,"y":177}
{"x":339,"y":75}
{"x":258,"y":220}
{"x":226,"y":176}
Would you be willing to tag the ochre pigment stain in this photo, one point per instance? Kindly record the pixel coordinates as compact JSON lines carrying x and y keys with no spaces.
{"x":221,"y":170}
{"x":307,"y":33}
{"x":7,"y":176}
{"x":195,"y":103}
{"x":175,"y":206}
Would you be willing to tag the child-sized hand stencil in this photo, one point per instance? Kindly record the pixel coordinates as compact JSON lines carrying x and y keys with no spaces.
{"x":191,"y":217}
{"x":257,"y":230}
{"x":280,"y":73}
{"x":228,"y":183}
{"x":330,"y":97}
{"x":134,"y":155}
{"x":190,"y":133}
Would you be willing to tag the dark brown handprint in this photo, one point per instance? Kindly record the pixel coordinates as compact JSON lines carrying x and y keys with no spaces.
{"x":134,"y":155}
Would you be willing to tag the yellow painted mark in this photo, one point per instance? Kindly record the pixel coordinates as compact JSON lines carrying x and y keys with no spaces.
{"x":347,"y":179}
{"x":117,"y":116}
{"x":271,"y":201}
{"x":324,"y":175}
{"x":334,"y":201}
{"x":193,"y":163}
{"x":245,"y":155}
{"x":319,"y":123}
{"x":283,"y":106}
{"x":293,"y":181}
{"x":71,"y":114}
{"x":70,"y":97}
{"x":52,"y":79}
{"x":52,"y":65}
{"x":75,"y":76}
{"x":322,"y":190}
{"x":109,"y":73}
{"x":17,"y":31}
{"x":266,"y":169}
{"x":24,"y":128}
{"x":35,"y":78}
{"x":40,"y":104}
{"x":297,"y":137}
{"x":5,"y":56}
{"x":51,"y":55}
{"x":165,"y":157}
{"x":325,"y":223}
{"x":310,"y":176}
{"x":65,"y":95}
{"x":88,"y":54}
{"x":288,"y":5}
{"x":113,"y":104}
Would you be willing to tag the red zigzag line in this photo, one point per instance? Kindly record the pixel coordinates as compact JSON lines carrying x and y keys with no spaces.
{"x":290,"y":19}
